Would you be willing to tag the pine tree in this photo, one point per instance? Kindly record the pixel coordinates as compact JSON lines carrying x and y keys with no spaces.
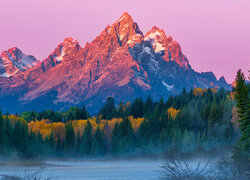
{"x":87,"y":139}
{"x":99,"y":145}
{"x":108,"y":111}
{"x":202,"y":140}
{"x":40,"y":143}
{"x":24,"y":150}
{"x":59,"y":147}
{"x":136,"y":109}
{"x":51,"y":139}
{"x":176,"y":138}
{"x":84,"y":113}
{"x":121,"y":110}
{"x":17,"y":135}
{"x":247,"y":120}
{"x":2,"y":133}
{"x":78,"y":113}
{"x":78,"y":142}
{"x":148,"y":107}
{"x":81,"y":113}
{"x":154,"y":128}
{"x":127,"y":137}
{"x":144,"y":133}
{"x":163,"y":138}
{"x":9,"y":133}
{"x":209,"y":95}
{"x":69,"y":137}
{"x":161,"y":106}
{"x":115,"y":140}
{"x":188,"y":141}
{"x":227,"y":129}
{"x":213,"y":119}
{"x":33,"y":144}
{"x":242,"y":97}
{"x":50,"y":143}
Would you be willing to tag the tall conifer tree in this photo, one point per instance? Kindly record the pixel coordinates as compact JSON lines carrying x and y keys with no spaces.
{"x":242,"y":97}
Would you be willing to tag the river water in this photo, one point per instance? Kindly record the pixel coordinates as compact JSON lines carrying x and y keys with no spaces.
{"x":86,"y":170}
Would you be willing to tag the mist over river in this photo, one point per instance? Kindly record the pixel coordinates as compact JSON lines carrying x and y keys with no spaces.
{"x":86,"y":170}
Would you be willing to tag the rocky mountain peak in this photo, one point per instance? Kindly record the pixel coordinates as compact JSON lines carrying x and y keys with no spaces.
{"x":13,"y":53}
{"x":222,"y":80}
{"x":125,"y":18}
{"x":170,"y":49}
{"x":70,"y":42}
{"x":13,"y":61}
{"x":124,"y":29}
{"x":158,"y":37}
{"x":68,"y":47}
{"x":154,"y":33}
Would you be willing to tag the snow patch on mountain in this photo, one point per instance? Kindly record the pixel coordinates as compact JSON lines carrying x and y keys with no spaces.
{"x":169,"y":87}
{"x":153,"y":37}
{"x":147,"y":50}
{"x":60,"y":58}
{"x":4,"y":75}
{"x":158,"y":47}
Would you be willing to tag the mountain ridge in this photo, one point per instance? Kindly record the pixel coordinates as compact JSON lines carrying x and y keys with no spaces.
{"x":121,"y":62}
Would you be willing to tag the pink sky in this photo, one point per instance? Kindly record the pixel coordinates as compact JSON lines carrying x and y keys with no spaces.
{"x":213,"y":34}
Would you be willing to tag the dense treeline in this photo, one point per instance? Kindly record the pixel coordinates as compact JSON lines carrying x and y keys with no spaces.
{"x":72,"y":114}
{"x":200,"y":118}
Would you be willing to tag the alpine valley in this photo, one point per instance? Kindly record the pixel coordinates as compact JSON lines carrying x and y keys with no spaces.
{"x":121,"y":62}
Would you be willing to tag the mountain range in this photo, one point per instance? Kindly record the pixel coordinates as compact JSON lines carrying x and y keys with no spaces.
{"x":121,"y":62}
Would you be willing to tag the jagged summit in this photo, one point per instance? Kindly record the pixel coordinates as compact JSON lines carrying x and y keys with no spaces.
{"x":125,"y":17}
{"x":124,"y":29}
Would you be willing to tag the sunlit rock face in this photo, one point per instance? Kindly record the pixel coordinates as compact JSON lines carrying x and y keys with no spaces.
{"x":121,"y":62}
